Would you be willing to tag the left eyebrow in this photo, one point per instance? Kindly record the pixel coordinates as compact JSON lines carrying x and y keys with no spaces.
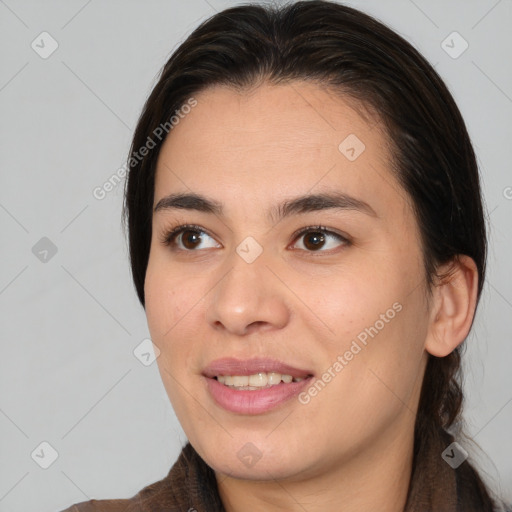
{"x":298,"y":205}
{"x":317,"y":202}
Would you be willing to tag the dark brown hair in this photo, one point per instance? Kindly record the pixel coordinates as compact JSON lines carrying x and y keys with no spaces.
{"x":345,"y":50}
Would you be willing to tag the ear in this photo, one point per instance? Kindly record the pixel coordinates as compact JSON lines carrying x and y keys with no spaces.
{"x":453,"y":306}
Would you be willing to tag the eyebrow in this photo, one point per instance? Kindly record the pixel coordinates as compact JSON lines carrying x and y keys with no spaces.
{"x":302,"y":204}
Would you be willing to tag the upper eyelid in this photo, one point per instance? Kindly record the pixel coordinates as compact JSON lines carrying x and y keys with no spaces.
{"x":323,"y":229}
{"x":180,"y":228}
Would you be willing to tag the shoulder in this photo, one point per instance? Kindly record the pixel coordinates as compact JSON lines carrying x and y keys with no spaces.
{"x":127,"y":505}
{"x":189,"y":485}
{"x":152,"y":494}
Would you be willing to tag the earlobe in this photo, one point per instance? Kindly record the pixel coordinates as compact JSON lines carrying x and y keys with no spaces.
{"x":453,"y":306}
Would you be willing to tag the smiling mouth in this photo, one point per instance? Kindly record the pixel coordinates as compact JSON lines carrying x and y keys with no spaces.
{"x":260,"y":380}
{"x":254,"y":386}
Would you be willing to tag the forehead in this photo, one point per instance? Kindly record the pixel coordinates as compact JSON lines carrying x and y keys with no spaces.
{"x":277,"y":140}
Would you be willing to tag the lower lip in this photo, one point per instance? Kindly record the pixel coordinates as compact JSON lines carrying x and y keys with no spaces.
{"x":256,"y":401}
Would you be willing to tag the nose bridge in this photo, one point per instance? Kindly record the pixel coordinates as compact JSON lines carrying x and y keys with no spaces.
{"x":248,"y":295}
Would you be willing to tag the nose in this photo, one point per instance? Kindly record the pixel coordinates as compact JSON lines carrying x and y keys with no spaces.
{"x":249,"y":298}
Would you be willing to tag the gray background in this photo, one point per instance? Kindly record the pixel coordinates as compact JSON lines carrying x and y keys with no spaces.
{"x":70,"y":324}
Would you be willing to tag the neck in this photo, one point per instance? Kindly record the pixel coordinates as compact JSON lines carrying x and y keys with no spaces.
{"x":376,"y":479}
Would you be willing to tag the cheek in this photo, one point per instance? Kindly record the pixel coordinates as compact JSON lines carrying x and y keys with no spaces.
{"x":168,"y":297}
{"x":164,"y":309}
{"x":392,"y":360}
{"x":378,"y":326}
{"x":174,"y":312}
{"x":353,"y":302}
{"x":161,"y":306}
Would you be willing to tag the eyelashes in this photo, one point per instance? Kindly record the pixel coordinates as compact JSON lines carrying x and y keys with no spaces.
{"x":169,"y":237}
{"x":325,"y":235}
{"x":319,"y":237}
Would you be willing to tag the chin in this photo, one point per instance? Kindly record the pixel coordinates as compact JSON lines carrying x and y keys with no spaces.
{"x":256,"y":459}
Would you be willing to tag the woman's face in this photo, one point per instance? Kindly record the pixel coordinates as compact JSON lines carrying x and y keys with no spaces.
{"x":268,"y":283}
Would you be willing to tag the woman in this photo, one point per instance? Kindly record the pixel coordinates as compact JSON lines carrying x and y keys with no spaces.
{"x":307,"y":239}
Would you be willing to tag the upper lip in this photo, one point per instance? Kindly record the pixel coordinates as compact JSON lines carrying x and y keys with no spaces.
{"x":233,"y":366}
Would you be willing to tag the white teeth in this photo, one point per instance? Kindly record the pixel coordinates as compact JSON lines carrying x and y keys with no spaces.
{"x":259,"y":380}
{"x":256,"y":381}
{"x":240,"y":380}
{"x":274,"y":378}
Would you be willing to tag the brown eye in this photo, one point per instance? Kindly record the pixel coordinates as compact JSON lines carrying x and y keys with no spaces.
{"x":314,"y":240}
{"x":190,"y":238}
{"x":319,"y":239}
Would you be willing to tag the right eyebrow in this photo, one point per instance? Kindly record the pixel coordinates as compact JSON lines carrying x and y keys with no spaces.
{"x":189,"y":202}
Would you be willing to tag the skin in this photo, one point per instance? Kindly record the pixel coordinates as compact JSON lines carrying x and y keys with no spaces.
{"x":350,"y":447}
